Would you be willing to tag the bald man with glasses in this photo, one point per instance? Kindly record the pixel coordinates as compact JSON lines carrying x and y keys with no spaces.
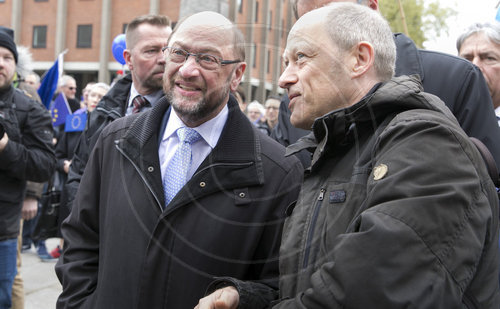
{"x":182,"y":193}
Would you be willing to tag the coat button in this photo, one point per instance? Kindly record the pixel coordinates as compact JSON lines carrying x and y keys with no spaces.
{"x":202,"y":184}
{"x":151,"y":169}
{"x":242,"y":194}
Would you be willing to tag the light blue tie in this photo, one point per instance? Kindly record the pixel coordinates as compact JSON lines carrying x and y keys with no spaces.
{"x":177,"y":169}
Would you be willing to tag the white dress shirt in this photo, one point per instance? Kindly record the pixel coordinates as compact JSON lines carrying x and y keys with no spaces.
{"x":210,"y":132}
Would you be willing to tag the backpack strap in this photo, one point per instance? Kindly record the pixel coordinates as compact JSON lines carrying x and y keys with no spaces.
{"x":488,"y":159}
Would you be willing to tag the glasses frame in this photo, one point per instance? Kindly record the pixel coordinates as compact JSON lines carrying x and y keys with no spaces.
{"x":197,"y":56}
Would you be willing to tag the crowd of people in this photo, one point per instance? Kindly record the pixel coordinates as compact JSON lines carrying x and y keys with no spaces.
{"x":179,"y":193}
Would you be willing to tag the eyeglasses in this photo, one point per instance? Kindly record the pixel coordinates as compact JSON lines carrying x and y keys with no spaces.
{"x":72,"y":88}
{"x":206,"y":61}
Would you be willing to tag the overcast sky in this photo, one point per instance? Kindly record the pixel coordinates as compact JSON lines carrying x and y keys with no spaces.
{"x":469,"y":11}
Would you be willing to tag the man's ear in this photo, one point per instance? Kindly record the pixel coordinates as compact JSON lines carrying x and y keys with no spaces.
{"x":237,"y":75}
{"x":363,"y":54}
{"x":373,"y":4}
{"x":127,"y":56}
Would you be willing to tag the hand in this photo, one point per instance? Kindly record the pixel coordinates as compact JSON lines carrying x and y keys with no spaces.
{"x":3,"y":141}
{"x":225,"y":298}
{"x":66,"y":166}
{"x":30,"y":208}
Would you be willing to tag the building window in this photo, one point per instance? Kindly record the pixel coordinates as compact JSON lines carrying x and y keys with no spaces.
{"x":256,"y":11}
{"x":39,"y":37}
{"x":240,"y":6}
{"x":84,"y":36}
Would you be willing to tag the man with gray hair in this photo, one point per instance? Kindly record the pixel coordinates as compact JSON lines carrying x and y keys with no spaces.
{"x":458,"y":83}
{"x":480,"y":44}
{"x":397,"y":209}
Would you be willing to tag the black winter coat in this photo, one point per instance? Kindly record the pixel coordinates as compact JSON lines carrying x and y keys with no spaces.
{"x":396,"y":211}
{"x":458,"y":83}
{"x":123,"y":251}
{"x":111,"y":107}
{"x":29,"y":154}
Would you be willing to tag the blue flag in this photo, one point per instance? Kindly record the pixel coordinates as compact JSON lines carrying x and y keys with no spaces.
{"x":49,"y":82}
{"x":60,"y":110}
{"x":75,"y":122}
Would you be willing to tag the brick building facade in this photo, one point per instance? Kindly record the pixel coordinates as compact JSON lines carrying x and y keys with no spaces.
{"x":86,"y":29}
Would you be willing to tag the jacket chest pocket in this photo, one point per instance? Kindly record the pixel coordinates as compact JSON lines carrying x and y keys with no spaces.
{"x":341,"y":205}
{"x":8,"y":118}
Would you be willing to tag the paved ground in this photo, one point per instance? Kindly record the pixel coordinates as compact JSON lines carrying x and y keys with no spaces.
{"x":41,"y":287}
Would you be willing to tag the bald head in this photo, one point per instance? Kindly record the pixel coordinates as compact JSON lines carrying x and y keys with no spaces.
{"x":300,"y":7}
{"x":214,"y":24}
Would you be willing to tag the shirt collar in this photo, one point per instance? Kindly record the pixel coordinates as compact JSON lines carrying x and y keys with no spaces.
{"x":210,"y":130}
{"x":152,"y":98}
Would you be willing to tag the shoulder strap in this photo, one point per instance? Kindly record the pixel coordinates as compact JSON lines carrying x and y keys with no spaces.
{"x":488,"y":159}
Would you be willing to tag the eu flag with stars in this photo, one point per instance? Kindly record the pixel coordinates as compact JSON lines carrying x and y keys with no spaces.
{"x":60,"y":110}
{"x":76,"y":122}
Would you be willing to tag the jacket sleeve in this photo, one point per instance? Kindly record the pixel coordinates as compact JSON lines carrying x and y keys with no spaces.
{"x":83,"y":148}
{"x":34,"y":189}
{"x":253,"y":295}
{"x":33,"y":157}
{"x":424,"y":228}
{"x":62,"y":152}
{"x":77,"y":267}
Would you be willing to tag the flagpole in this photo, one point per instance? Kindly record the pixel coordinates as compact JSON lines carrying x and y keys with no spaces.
{"x":403,"y":18}
{"x":62,"y":53}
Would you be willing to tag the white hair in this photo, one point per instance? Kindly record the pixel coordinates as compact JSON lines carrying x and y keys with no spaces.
{"x":491,"y":30}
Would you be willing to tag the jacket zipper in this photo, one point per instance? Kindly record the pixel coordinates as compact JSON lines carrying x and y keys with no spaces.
{"x":142,"y":176}
{"x":314,"y":219}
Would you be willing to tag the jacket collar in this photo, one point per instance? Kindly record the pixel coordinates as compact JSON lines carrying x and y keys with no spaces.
{"x":116,"y":100}
{"x":236,"y":160}
{"x":408,"y":58}
{"x":340,"y":127}
{"x":6,"y":95}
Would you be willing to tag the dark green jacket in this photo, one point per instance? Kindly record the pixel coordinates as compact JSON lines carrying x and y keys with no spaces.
{"x":397,"y":211}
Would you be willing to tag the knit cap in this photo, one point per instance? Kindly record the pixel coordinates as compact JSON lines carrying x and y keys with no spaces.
{"x":7,"y":40}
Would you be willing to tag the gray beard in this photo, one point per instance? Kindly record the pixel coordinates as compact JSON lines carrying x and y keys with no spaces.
{"x":201,"y":109}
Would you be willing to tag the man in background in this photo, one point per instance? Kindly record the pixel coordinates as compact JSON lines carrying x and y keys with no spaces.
{"x":480,"y":44}
{"x":26,"y":153}
{"x":145,"y":37}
